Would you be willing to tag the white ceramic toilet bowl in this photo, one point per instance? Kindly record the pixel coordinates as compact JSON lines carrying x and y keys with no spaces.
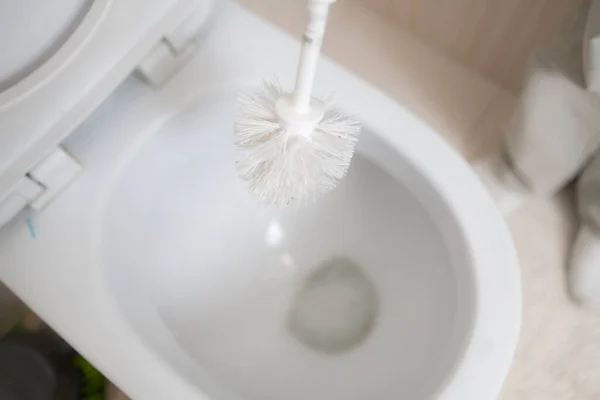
{"x":158,"y":266}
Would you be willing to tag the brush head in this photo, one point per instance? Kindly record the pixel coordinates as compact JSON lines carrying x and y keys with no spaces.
{"x":287,"y":157}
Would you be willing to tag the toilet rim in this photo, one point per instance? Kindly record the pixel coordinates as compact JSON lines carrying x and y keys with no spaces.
{"x":60,"y":59}
{"x":493,"y":261}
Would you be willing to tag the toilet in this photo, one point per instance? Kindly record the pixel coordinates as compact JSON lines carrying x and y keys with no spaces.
{"x":125,"y":227}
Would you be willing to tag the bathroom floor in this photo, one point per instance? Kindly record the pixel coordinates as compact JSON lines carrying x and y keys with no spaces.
{"x":559,"y":351}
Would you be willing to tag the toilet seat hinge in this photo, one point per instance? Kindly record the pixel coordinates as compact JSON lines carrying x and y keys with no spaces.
{"x":40,"y":185}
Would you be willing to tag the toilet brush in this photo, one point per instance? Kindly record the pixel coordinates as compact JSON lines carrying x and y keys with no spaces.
{"x":292,"y":146}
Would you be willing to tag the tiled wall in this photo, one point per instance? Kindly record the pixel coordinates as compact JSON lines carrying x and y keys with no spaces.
{"x":493,"y":37}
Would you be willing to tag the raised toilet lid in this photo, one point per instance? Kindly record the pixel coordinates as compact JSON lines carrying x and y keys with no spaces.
{"x":35,"y":30}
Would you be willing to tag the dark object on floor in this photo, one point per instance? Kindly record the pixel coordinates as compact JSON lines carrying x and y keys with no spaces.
{"x":25,"y":374}
{"x":38,"y":366}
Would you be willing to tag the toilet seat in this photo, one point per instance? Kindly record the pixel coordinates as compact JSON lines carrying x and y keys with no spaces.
{"x":52,"y":261}
{"x":38,"y":29}
{"x":40,"y":110}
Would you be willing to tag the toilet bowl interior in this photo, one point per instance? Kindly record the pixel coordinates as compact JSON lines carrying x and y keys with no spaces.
{"x":32,"y":31}
{"x":237,"y":296}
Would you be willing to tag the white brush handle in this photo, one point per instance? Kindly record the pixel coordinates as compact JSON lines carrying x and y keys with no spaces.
{"x":309,"y":56}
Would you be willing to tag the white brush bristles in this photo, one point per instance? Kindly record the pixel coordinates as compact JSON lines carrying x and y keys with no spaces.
{"x":282,"y":167}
